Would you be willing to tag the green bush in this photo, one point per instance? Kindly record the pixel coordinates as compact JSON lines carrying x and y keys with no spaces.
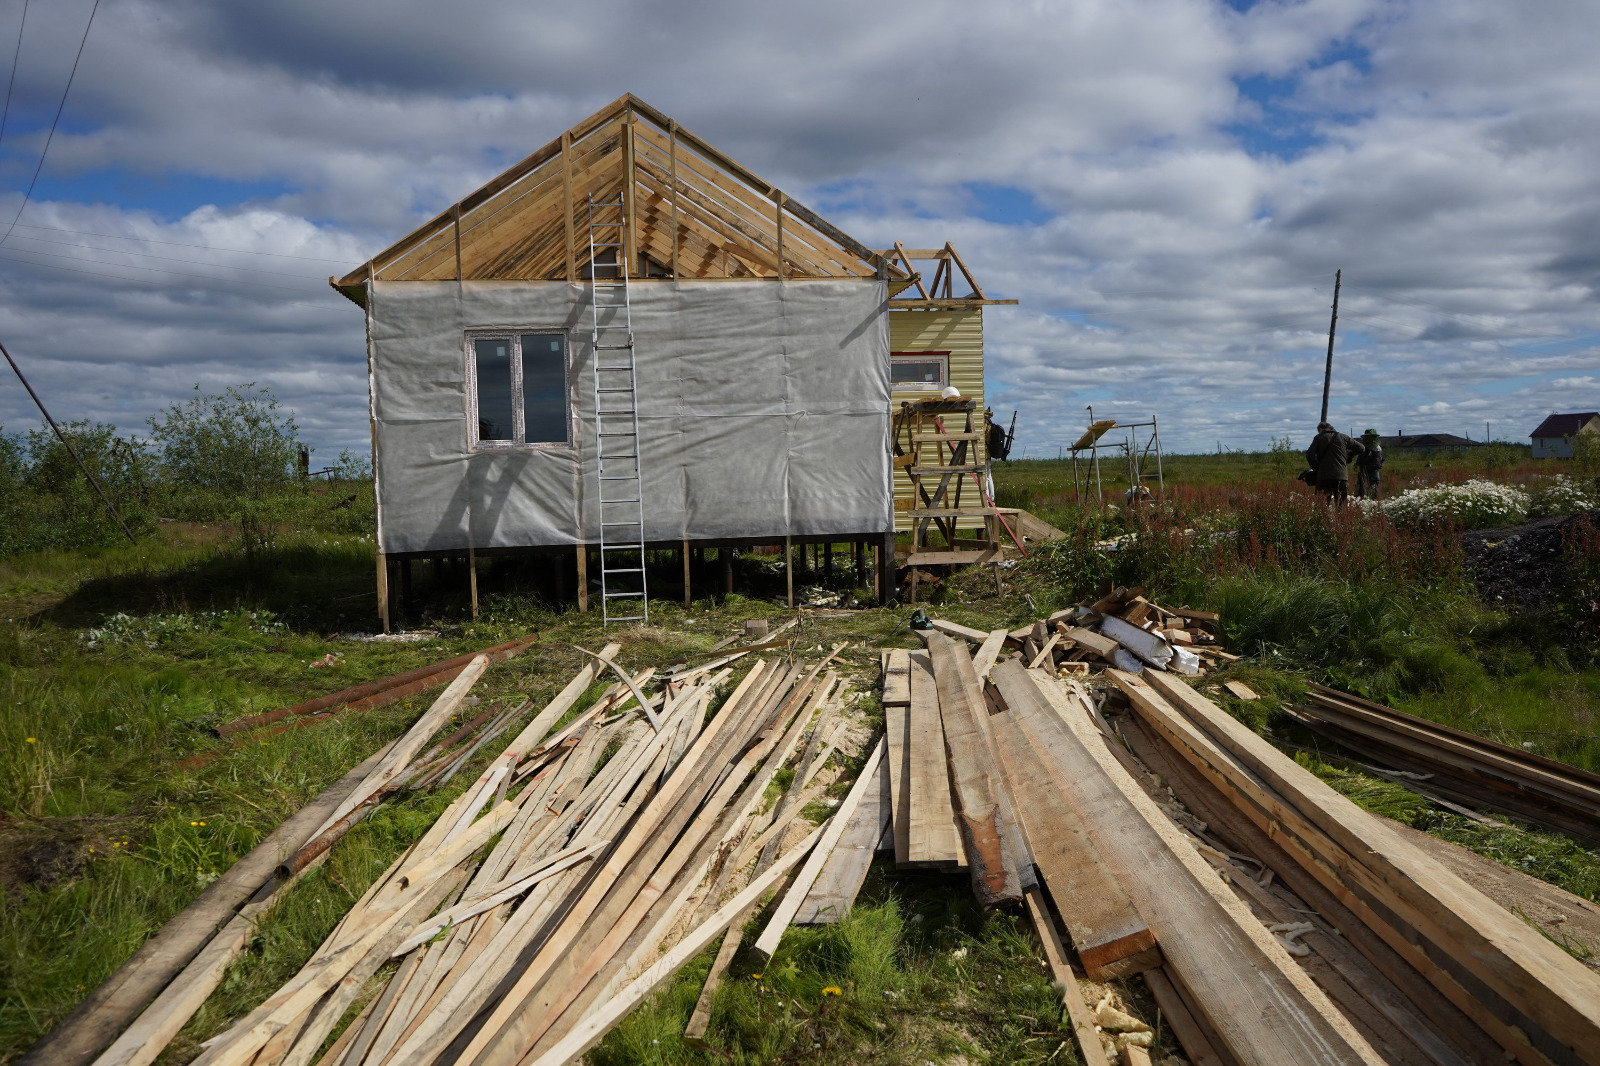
{"x":47,"y":503}
{"x":232,"y":453}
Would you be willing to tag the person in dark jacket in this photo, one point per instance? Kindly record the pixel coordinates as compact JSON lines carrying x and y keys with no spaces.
{"x":1330,"y":456}
{"x":1369,"y":467}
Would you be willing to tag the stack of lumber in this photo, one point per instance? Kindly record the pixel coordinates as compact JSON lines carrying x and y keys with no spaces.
{"x":1121,"y":629}
{"x":185,"y":961}
{"x":602,"y":849}
{"x":1272,"y":919}
{"x":1457,"y":768}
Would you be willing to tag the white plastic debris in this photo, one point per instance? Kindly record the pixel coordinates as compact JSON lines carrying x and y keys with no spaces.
{"x":1147,"y":646}
{"x":1125,"y":661}
{"x":1185,"y":661}
{"x":1287,"y":932}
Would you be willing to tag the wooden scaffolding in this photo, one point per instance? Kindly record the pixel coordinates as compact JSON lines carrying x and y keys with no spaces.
{"x":940,"y":445}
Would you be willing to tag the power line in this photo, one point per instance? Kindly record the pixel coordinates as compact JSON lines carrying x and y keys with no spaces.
{"x":27,"y":196}
{"x":15,"y":55}
{"x":179,"y":244}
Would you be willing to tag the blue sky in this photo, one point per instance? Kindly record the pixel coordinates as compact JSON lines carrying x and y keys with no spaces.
{"x":1167,"y":186}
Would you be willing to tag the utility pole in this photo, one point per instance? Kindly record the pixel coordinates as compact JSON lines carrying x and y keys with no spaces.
{"x":1333,"y":323}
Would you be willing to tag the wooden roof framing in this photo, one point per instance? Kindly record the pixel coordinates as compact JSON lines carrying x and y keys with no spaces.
{"x":938,"y":292}
{"x":693,"y":212}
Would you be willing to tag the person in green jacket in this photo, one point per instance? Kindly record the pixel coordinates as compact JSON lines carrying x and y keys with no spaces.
{"x":1330,"y":456}
{"x":1369,"y":468}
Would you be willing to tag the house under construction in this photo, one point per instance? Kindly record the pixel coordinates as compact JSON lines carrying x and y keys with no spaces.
{"x":629,"y":342}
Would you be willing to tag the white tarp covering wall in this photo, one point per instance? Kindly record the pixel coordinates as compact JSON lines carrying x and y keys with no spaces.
{"x":764,"y":412}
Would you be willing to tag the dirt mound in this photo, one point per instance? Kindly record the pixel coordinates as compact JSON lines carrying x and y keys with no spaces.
{"x":1521,"y":566}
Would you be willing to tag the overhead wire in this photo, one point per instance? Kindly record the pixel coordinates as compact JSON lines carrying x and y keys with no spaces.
{"x":51,"y":136}
{"x":16,"y":54}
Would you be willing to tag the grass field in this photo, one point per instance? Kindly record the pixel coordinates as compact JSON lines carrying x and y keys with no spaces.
{"x":119,"y":805}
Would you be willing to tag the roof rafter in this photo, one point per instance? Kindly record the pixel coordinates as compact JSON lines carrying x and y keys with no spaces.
{"x":688,"y":200}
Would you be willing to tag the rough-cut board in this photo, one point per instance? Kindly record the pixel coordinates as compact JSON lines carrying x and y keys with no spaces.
{"x":834,"y":892}
{"x":897,"y":723}
{"x":1111,"y":938}
{"x":1072,"y":1001}
{"x":983,"y":814}
{"x":932,"y":818}
{"x":1530,"y":975}
{"x":959,"y":631}
{"x":1104,"y":647}
{"x":1259,"y":1000}
{"x":897,"y":678}
{"x":1241,"y":690}
{"x":983,"y":659}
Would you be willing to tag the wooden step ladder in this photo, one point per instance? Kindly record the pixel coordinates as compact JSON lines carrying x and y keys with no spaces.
{"x":940,"y":448}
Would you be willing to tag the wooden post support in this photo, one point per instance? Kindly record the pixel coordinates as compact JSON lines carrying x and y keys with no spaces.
{"x":788,"y":566}
{"x":472,"y":578}
{"x":727,"y":570}
{"x":687,"y":596}
{"x":383,"y":590}
{"x":886,"y":595}
{"x":861,"y":561}
{"x":827,"y":559}
{"x":583,"y":577}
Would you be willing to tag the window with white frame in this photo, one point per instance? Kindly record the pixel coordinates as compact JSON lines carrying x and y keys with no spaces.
{"x":517,"y":389}
{"x":919,"y":370}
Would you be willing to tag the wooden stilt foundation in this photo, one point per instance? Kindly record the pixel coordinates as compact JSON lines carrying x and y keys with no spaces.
{"x":886,"y":595}
{"x":383,"y":590}
{"x":583,"y":577}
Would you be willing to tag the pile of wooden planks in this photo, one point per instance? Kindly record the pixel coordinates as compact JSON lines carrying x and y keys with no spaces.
{"x":1424,"y":965}
{"x":1121,"y":629}
{"x":584,"y":866}
{"x":1455,"y":768}
{"x":181,"y":965}
{"x":1273,"y":920}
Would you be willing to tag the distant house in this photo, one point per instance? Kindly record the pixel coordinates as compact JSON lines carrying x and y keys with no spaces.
{"x":1553,"y":439}
{"x":1426,"y":442}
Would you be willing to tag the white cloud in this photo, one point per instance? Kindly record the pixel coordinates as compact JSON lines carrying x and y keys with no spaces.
{"x":1443,"y":154}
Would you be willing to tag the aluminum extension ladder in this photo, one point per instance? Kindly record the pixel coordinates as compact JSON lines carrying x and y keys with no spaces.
{"x":616,"y":418}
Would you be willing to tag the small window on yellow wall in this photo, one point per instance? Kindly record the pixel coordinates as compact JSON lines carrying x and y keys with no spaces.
{"x":919,"y":371}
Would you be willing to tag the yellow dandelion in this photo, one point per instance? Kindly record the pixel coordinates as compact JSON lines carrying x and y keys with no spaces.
{"x":833,"y":990}
{"x":755,"y":977}
{"x":91,"y":851}
{"x":202,"y":823}
{"x":194,"y":823}
{"x":33,"y":740}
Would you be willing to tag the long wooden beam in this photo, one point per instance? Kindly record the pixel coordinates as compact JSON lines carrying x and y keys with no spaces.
{"x":1264,"y":1006}
{"x":1553,"y":990}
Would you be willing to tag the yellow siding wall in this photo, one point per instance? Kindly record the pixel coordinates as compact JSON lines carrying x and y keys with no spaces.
{"x":961,"y":334}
